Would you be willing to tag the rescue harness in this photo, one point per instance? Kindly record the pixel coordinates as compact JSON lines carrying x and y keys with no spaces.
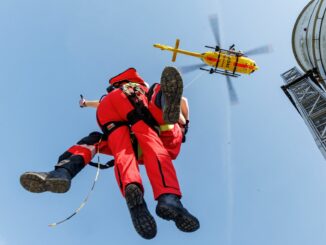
{"x":140,"y":112}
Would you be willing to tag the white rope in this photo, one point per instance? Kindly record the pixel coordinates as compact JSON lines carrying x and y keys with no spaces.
{"x":85,"y":200}
{"x":193,"y":80}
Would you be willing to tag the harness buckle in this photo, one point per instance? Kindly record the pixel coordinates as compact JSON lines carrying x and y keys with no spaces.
{"x":131,"y":89}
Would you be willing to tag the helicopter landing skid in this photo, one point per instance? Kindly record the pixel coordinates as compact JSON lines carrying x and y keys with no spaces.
{"x":225,"y":73}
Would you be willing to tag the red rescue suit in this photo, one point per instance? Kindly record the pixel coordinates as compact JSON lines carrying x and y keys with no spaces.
{"x":116,"y":107}
{"x":170,"y":134}
{"x":89,"y":146}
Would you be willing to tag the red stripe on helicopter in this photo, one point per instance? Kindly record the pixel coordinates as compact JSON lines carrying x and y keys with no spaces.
{"x":211,"y":59}
{"x":244,"y":66}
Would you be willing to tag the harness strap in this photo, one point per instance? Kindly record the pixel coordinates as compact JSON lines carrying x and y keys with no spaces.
{"x":109,"y":127}
{"x":151,"y":92}
{"x":107,"y":165}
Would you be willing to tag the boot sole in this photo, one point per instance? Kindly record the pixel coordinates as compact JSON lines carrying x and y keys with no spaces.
{"x":172,"y":89}
{"x":33,"y":183}
{"x":38,"y":184}
{"x":142,"y":220}
{"x":184,"y":223}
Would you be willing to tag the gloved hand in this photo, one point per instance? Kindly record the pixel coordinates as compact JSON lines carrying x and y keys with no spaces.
{"x":184,"y":129}
{"x":82,"y":101}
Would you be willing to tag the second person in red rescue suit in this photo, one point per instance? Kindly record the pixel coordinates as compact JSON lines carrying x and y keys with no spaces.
{"x":128,"y":105}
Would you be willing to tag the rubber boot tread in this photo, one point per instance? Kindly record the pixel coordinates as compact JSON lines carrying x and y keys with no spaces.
{"x":185,"y":223}
{"x":172,"y":89}
{"x":38,"y":182}
{"x":33,"y":182}
{"x":142,"y":220}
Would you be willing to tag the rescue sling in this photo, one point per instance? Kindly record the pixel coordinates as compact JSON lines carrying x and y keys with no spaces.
{"x":140,"y":112}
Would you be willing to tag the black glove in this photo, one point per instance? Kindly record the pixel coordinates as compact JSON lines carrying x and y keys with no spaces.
{"x":110,"y":88}
{"x":185,"y":128}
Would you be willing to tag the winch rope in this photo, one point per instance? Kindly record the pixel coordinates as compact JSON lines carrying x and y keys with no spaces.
{"x":86,"y":198}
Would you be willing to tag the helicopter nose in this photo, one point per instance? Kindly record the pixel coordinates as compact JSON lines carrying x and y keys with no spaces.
{"x":255,"y":68}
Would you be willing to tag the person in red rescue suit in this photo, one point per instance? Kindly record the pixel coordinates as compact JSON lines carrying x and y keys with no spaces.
{"x":171,"y":135}
{"x":115,"y":108}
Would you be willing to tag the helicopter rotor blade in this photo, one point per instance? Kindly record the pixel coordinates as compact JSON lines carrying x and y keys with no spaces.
{"x":260,"y":50}
{"x":232,"y":94}
{"x":213,"y":20}
{"x":189,"y":68}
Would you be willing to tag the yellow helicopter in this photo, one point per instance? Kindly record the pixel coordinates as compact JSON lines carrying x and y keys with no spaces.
{"x":228,"y":62}
{"x":225,"y":62}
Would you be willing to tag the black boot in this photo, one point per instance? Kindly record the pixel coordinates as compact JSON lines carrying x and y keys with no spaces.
{"x":57,"y":181}
{"x":142,"y":220}
{"x":172,"y":89}
{"x":169,"y":207}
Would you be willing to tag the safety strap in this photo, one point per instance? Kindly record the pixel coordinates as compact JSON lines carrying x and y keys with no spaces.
{"x":107,"y":165}
{"x":151,"y":92}
{"x":109,"y":127}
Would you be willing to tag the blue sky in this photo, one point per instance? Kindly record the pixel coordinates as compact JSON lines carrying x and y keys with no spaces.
{"x":266,"y":187}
